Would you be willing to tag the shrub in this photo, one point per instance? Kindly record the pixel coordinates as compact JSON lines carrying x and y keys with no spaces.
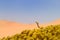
{"x":47,"y":33}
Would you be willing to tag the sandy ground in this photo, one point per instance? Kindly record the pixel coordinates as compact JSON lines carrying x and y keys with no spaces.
{"x":11,"y":28}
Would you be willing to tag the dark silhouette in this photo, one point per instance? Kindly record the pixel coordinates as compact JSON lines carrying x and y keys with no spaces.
{"x":37,"y":24}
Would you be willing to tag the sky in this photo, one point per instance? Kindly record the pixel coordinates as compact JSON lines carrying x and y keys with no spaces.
{"x":29,"y":11}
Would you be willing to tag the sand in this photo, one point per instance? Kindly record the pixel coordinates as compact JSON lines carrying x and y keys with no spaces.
{"x":8,"y":28}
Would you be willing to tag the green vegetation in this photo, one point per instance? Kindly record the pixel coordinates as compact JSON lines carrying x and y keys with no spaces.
{"x":47,"y":33}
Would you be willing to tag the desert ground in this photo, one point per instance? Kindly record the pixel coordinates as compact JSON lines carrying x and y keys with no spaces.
{"x":11,"y":28}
